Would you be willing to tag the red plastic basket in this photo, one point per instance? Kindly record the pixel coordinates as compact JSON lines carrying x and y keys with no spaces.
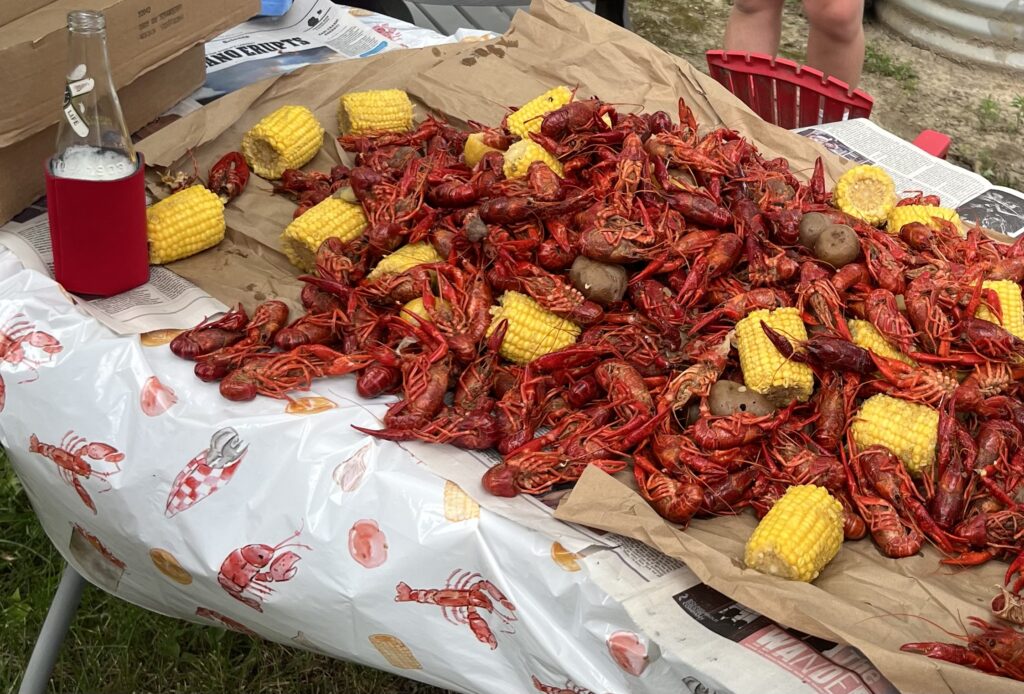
{"x":784,"y":93}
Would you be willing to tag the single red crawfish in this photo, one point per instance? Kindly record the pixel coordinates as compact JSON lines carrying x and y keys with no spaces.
{"x":472,"y":430}
{"x":799,"y":460}
{"x":994,"y":649}
{"x":243,"y":576}
{"x":519,"y":410}
{"x":881,"y":310}
{"x":211,"y":335}
{"x":70,"y":457}
{"x":955,"y":462}
{"x":696,"y":380}
{"x":727,"y":495}
{"x":732,"y":431}
{"x":920,"y":383}
{"x":676,"y":151}
{"x":1007,"y":269}
{"x":229,"y":176}
{"x":833,"y":402}
{"x":554,"y":293}
{"x":424,"y":382}
{"x":917,"y":197}
{"x":575,"y":117}
{"x":419,"y":137}
{"x":316,"y":300}
{"x":924,"y":299}
{"x":721,"y":257}
{"x":312,"y":329}
{"x":817,"y":291}
{"x":678,"y":248}
{"x":655,"y":301}
{"x":473,"y":392}
{"x":384,"y":375}
{"x":768,"y":270}
{"x":895,"y":537}
{"x":625,"y":388}
{"x":880,"y":468}
{"x":990,"y":340}
{"x":267,"y":320}
{"x":511,"y":210}
{"x":887,"y":272}
{"x":276,"y":375}
{"x":596,"y":245}
{"x":823,"y":350}
{"x":848,"y":276}
{"x":993,"y":532}
{"x":342,"y":262}
{"x":699,"y":209}
{"x":673,"y":499}
{"x":740,"y":305}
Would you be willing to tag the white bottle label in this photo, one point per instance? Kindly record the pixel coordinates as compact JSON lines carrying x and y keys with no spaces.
{"x":71,"y":90}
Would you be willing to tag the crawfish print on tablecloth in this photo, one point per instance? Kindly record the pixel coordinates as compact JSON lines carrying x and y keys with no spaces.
{"x":464,"y":595}
{"x":17,"y":335}
{"x":207,"y":472}
{"x":246,"y":572}
{"x":70,"y":456}
{"x":569,"y":688}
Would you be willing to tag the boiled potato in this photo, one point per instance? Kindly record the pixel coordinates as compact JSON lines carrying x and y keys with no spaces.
{"x":811,"y":226}
{"x":729,"y":397}
{"x":602,"y":283}
{"x":837,"y":245}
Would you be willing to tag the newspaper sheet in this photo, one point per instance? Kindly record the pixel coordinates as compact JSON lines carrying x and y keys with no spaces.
{"x":165,"y":301}
{"x":312,"y":31}
{"x":975,"y":199}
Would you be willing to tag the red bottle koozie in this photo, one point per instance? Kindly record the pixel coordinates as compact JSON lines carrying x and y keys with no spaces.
{"x":98,"y":231}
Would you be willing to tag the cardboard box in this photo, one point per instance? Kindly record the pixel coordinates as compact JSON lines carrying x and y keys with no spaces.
{"x":141,"y":34}
{"x":12,"y":9}
{"x":142,"y":101}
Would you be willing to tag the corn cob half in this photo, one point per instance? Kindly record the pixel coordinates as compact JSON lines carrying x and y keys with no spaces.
{"x":799,"y":536}
{"x":533,"y":331}
{"x":521,"y":154}
{"x":475,"y":149}
{"x":408,"y":256}
{"x":866,"y":192}
{"x":526,"y":119}
{"x":330,"y":217}
{"x":925,"y":214}
{"x":378,"y":110}
{"x":765,"y":370}
{"x":184,"y":224}
{"x":286,"y":139}
{"x":1010,"y":305}
{"x":908,"y":429}
{"x":865,"y":335}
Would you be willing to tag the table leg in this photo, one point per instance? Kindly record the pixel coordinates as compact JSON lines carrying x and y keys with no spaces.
{"x":51,"y":636}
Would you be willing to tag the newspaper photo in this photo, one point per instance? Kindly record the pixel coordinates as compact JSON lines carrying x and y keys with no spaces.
{"x":312,"y":31}
{"x":165,"y":301}
{"x":973,"y":197}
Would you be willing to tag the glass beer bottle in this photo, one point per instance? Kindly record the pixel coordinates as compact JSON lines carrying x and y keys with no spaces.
{"x":92,"y":141}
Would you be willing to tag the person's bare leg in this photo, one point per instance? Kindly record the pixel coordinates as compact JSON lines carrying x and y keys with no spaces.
{"x":754,"y":26}
{"x":835,"y":43}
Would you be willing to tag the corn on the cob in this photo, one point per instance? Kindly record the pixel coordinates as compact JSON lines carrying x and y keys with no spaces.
{"x":1010,"y":305}
{"x":458,"y":505}
{"x":765,"y":370}
{"x":532,"y":331}
{"x":866,"y":192}
{"x":408,"y":256}
{"x":865,"y":335}
{"x":378,"y":110}
{"x":521,"y":154}
{"x":286,"y":139}
{"x":925,"y":214}
{"x":184,"y":224}
{"x":418,"y":308}
{"x":908,"y":429}
{"x":475,"y":149}
{"x":799,"y":536}
{"x":527,"y":118}
{"x":330,"y":217}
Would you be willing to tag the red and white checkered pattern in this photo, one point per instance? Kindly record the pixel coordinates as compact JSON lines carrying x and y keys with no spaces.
{"x":196,"y":482}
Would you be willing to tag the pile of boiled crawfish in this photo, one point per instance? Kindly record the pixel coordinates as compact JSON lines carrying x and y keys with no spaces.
{"x":707,"y":230}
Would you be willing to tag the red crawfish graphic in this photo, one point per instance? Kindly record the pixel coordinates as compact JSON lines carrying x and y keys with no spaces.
{"x":461,"y":599}
{"x":70,"y":457}
{"x":17,"y":334}
{"x":207,"y":472}
{"x":246,"y":572}
{"x":569,"y":688}
{"x":226,"y":621}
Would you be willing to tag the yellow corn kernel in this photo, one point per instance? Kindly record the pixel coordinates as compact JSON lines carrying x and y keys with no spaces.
{"x":286,"y":139}
{"x":765,"y":370}
{"x":865,"y":335}
{"x":925,"y":214}
{"x":377,"y":110}
{"x":184,"y":224}
{"x":408,"y":256}
{"x":1010,"y":305}
{"x":527,"y":118}
{"x":799,"y":536}
{"x":521,"y":154}
{"x":532,"y":331}
{"x":475,"y":149}
{"x":908,"y":429}
{"x":330,"y":217}
{"x":866,"y":192}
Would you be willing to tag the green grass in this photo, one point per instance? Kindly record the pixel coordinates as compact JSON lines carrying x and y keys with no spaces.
{"x":877,"y":62}
{"x":116,"y":647}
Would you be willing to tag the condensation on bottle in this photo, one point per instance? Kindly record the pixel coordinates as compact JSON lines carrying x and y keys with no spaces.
{"x":92,"y":139}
